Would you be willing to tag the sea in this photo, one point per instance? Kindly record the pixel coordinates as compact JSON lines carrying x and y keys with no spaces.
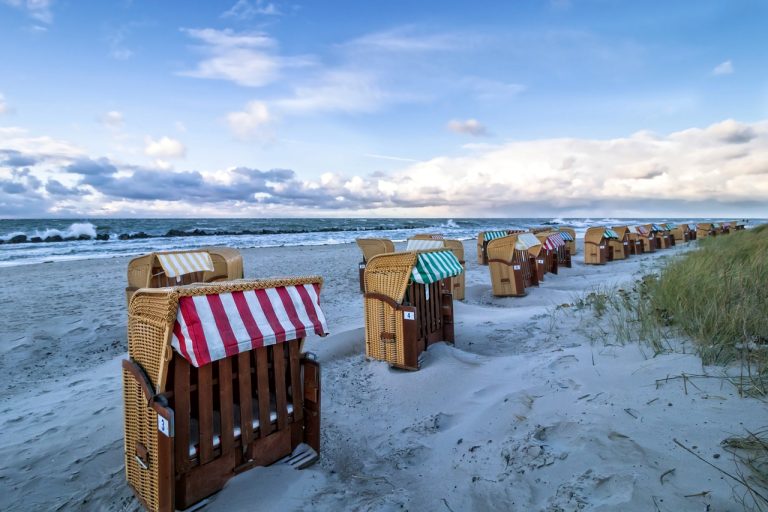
{"x":30,"y":241}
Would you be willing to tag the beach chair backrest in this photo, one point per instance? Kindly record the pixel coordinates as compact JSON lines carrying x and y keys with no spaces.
{"x":421,"y":244}
{"x":374,"y":246}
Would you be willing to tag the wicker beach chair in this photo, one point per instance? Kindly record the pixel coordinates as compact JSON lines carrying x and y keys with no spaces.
{"x":371,"y":247}
{"x":483,"y":238}
{"x":216,"y":384}
{"x":408,"y":304}
{"x":691,"y":229}
{"x":458,"y":283}
{"x":172,"y":268}
{"x":569,"y":235}
{"x":679,"y":231}
{"x":705,"y":229}
{"x":531,"y":243}
{"x":628,"y":246}
{"x":596,"y":248}
{"x":737,"y":225}
{"x":512,"y":269}
{"x":616,"y":248}
{"x":649,"y":240}
{"x":660,"y":236}
{"x":635,"y":243}
{"x":555,"y":250}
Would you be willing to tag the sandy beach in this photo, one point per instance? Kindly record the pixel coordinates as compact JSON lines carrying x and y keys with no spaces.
{"x":537,"y":406}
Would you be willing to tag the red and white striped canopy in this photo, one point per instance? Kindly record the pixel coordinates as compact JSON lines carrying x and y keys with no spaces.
{"x":553,"y":242}
{"x":215,"y":326}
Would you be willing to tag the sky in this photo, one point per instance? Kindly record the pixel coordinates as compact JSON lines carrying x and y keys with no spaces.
{"x":436,"y":108}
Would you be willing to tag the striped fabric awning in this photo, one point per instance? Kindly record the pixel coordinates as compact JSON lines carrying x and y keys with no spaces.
{"x":656,"y":227}
{"x":434,"y":266}
{"x":215,"y":326}
{"x":526,"y":241}
{"x":566,"y":236}
{"x":642,"y":230}
{"x":415,"y":244}
{"x":492,"y":235}
{"x":727,"y":225}
{"x":671,"y":226}
{"x":179,"y":263}
{"x":554,"y":241}
{"x":716,"y":225}
{"x":692,"y":227}
{"x":609,"y":233}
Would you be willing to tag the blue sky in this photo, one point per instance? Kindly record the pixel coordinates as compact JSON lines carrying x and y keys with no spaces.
{"x":399,"y":108}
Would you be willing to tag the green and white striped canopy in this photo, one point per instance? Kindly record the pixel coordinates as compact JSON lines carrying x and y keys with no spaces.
{"x":609,"y":233}
{"x":433,"y":266}
{"x":492,"y":235}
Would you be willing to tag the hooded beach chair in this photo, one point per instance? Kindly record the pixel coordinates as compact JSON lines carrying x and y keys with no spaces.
{"x":172,"y":268}
{"x":616,"y":248}
{"x":216,"y":384}
{"x":426,"y":242}
{"x":628,"y":245}
{"x":483,"y":238}
{"x":725,"y":228}
{"x":679,"y":231}
{"x":635,"y":243}
{"x":569,"y":235}
{"x":737,"y":225}
{"x":556,"y":253}
{"x":512,"y":269}
{"x":371,"y":247}
{"x":408,"y":304}
{"x":659,"y":236}
{"x":648,"y":239}
{"x":666,"y":231}
{"x":705,"y":229}
{"x":691,"y":230}
{"x":531,"y":243}
{"x":596,"y":249}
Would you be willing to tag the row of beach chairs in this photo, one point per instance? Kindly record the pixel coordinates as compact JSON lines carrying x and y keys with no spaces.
{"x":216,"y":381}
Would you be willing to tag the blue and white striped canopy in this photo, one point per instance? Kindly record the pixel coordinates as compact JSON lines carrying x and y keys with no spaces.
{"x":566,"y":236}
{"x":434,"y":266}
{"x":492,"y":235}
{"x":656,"y":227}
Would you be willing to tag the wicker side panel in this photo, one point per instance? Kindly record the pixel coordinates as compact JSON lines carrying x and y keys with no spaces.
{"x":383,"y":332}
{"x":480,"y":252}
{"x":227,"y":262}
{"x":618,"y":249}
{"x":458,"y":282}
{"x":140,"y":424}
{"x":150,"y":318}
{"x":374,"y":246}
{"x":503,"y":280}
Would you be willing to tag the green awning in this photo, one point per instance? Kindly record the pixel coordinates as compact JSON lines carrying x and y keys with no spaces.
{"x":609,"y":233}
{"x":434,"y":266}
{"x":492,"y":235}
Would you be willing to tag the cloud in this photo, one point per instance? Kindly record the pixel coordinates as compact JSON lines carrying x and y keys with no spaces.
{"x":247,"y":59}
{"x":37,"y":9}
{"x":56,"y":188}
{"x":406,"y":39}
{"x":246,"y":10}
{"x":165,"y":147}
{"x":485,"y":89}
{"x":337,"y":91}
{"x":15,"y":159}
{"x":3,"y":105}
{"x":112,"y":119}
{"x":724,"y":68}
{"x":251,"y":122}
{"x":468,"y":127}
{"x":18,"y":139}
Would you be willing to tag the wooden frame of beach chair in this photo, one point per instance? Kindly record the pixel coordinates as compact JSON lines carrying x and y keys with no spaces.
{"x":628,"y":245}
{"x":596,"y":248}
{"x":536,"y":250}
{"x":725,"y":228}
{"x":402,"y":316}
{"x":191,"y":427}
{"x":691,"y":230}
{"x":512,"y":269}
{"x":660,"y":240}
{"x":737,"y":225}
{"x":371,"y":247}
{"x":571,"y":243}
{"x":147,"y":271}
{"x":618,"y":249}
{"x":650,"y":243}
{"x":667,"y":231}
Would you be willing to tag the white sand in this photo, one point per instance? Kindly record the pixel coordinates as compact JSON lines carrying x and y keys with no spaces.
{"x":533,"y":409}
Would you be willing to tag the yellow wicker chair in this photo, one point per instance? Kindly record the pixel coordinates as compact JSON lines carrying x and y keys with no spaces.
{"x":483,"y":238}
{"x":407,"y":308}
{"x":572,"y":234}
{"x":618,"y":247}
{"x":596,"y":248}
{"x":680,"y":232}
{"x":512,"y":269}
{"x":648,"y":239}
{"x":531,"y":243}
{"x":458,"y":283}
{"x":148,"y":271}
{"x":628,"y":246}
{"x":635,"y":243}
{"x":191,"y":423}
{"x":705,"y":229}
{"x":372,"y":247}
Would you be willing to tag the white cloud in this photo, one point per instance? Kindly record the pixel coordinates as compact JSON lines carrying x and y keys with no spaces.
{"x":246,"y":10}
{"x":112,"y":119}
{"x":19,"y":139}
{"x":250,"y":123}
{"x":406,"y":39}
{"x":248,"y":59}
{"x":469,"y":127}
{"x":337,"y":91}
{"x":37,"y":9}
{"x":724,"y":68}
{"x":164,"y":148}
{"x":3,"y":104}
